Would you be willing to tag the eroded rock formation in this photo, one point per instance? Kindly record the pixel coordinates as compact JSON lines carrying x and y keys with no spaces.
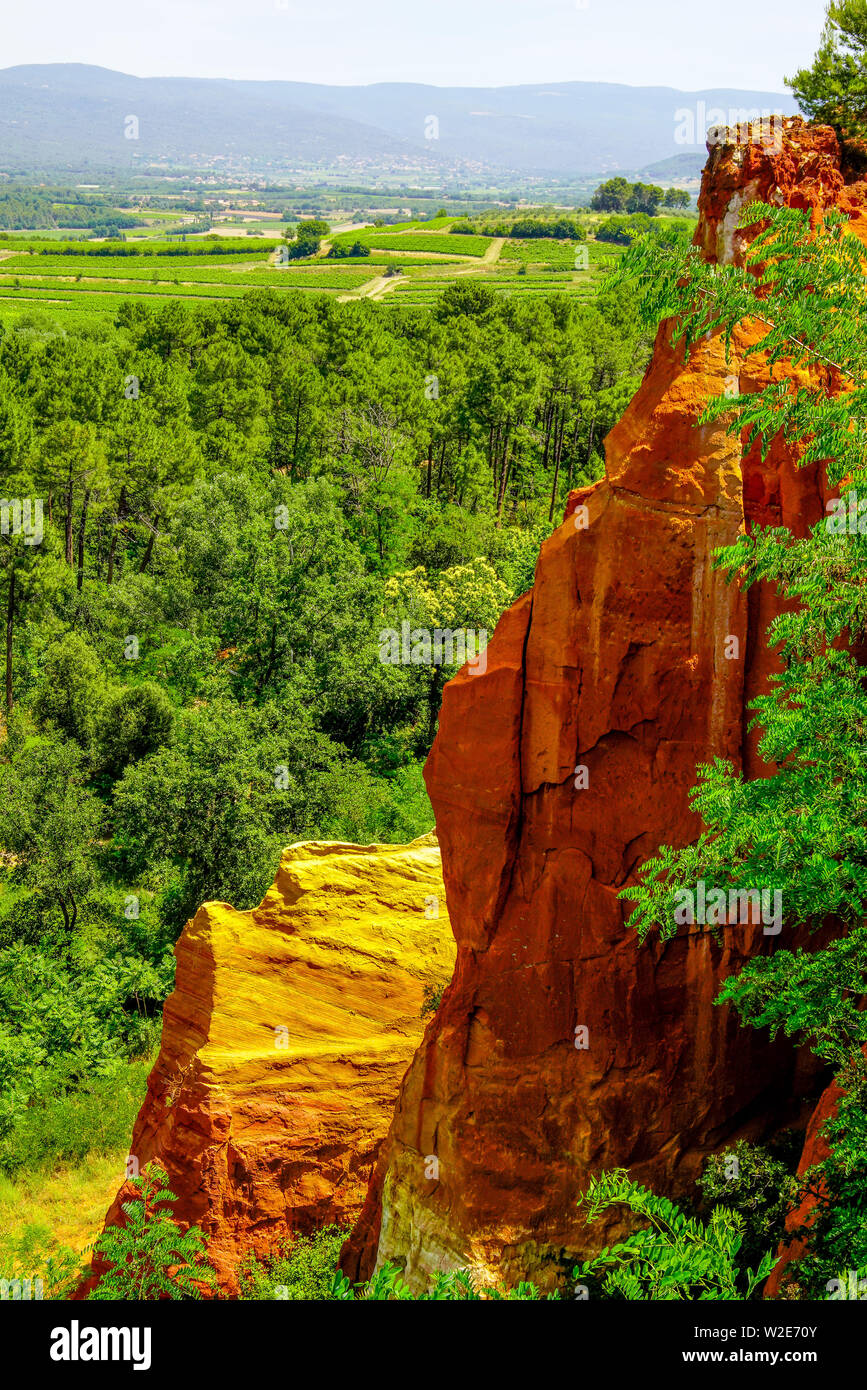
{"x":634,"y":659}
{"x":285,"y":1040}
{"x":816,"y":1150}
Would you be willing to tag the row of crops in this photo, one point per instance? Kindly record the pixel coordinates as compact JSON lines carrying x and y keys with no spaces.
{"x":85,"y":282}
{"x":424,"y":243}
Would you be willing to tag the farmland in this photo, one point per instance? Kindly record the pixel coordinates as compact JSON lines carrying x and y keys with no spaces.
{"x":407,"y":266}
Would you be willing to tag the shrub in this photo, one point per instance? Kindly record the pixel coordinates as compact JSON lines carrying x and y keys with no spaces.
{"x":389,"y":1286}
{"x":95,"y":1118}
{"x":623,"y":230}
{"x":753,"y":1182}
{"x":150,"y":1257}
{"x":306,"y":1268}
{"x":431,"y":1000}
{"x":303,"y":1269}
{"x":71,"y":688}
{"x":674,"y":1256}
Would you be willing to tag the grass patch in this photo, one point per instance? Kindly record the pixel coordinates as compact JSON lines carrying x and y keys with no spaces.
{"x":94,"y":1120}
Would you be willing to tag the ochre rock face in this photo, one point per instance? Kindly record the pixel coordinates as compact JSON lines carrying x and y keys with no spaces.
{"x":633,"y":658}
{"x":285,"y":1041}
{"x":816,"y":1150}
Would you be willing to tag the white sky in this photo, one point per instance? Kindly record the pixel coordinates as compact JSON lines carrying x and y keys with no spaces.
{"x":691,"y":44}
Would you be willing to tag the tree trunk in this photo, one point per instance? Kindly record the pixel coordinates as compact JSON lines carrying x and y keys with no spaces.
{"x":121,"y":513}
{"x":440,"y":468}
{"x":558,"y":450}
{"x":572,"y":454}
{"x":590,"y":440}
{"x":62,"y":901}
{"x":549,"y":416}
{"x":503,"y":480}
{"x":68,"y":520}
{"x":146,"y":558}
{"x":82,"y":528}
{"x":10,"y":624}
{"x":297,"y":433}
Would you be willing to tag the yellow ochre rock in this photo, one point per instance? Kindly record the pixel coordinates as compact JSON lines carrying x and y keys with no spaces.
{"x":285,"y":1041}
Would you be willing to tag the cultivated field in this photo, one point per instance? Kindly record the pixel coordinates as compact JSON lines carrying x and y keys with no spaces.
{"x":405,"y":265}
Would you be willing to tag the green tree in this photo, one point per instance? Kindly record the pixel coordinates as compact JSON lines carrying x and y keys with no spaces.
{"x":612,"y":196}
{"x":50,"y":822}
{"x":304,"y":246}
{"x":313,"y":228}
{"x":834,"y":89}
{"x":71,"y":688}
{"x":302,"y":1270}
{"x":133,"y":721}
{"x":760,"y":1186}
{"x":646,"y":198}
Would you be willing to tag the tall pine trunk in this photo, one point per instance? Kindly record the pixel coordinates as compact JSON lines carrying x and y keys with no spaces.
{"x":10,"y":624}
{"x":82,"y":529}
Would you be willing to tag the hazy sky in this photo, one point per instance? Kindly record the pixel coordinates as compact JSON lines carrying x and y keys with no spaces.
{"x":689,"y":44}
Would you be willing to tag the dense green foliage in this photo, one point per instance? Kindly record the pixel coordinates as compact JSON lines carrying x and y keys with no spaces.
{"x":389,"y":1286}
{"x":622,"y":231}
{"x":561,"y":228}
{"x":93,"y":1119}
{"x":342,"y":250}
{"x":197,"y":246}
{"x":306,"y":1268}
{"x":619,"y":195}
{"x":302,"y":1269}
{"x":25,"y":207}
{"x":759,"y":1184}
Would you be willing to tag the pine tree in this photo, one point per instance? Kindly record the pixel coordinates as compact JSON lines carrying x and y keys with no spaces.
{"x":834,"y":90}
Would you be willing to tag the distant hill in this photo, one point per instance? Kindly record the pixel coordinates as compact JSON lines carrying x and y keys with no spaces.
{"x":68,"y":116}
{"x":681,"y":167}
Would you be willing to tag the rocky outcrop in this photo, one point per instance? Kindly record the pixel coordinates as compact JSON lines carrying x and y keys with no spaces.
{"x":562,"y":1047}
{"x":798,"y":1222}
{"x":285,"y":1041}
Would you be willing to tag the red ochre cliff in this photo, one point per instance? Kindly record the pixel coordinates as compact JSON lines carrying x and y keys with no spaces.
{"x":619,"y":661}
{"x":285,"y":1040}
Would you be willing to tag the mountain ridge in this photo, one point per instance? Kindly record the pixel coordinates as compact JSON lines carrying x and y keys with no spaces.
{"x":73,"y":116}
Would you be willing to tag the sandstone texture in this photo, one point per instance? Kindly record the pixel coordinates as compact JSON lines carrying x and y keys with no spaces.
{"x":816,"y":1150}
{"x":618,"y":661}
{"x":285,"y":1041}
